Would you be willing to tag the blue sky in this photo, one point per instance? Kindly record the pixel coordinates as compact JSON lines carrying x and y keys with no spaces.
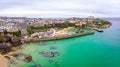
{"x":60,"y":8}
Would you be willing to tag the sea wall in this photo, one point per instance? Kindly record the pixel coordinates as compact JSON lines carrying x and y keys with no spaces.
{"x":57,"y":38}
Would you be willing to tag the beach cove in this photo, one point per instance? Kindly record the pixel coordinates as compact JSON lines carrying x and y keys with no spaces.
{"x":97,"y":50}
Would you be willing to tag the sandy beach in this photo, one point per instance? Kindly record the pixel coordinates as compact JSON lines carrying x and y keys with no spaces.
{"x":3,"y":61}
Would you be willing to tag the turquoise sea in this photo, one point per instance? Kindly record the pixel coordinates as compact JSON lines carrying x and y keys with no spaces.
{"x":96,"y":50}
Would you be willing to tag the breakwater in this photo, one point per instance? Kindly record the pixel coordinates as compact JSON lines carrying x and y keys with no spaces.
{"x":57,"y":38}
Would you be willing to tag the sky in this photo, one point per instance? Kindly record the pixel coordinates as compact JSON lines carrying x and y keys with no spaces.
{"x":60,"y":8}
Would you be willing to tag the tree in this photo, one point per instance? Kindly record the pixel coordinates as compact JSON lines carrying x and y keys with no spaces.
{"x":55,"y":25}
{"x":30,"y":30}
{"x":83,"y":26}
{"x":103,"y":22}
{"x":17,"y":33}
{"x":5,"y":32}
{"x":1,"y":38}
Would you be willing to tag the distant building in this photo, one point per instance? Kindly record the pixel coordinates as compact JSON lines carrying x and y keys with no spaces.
{"x":2,"y":26}
{"x":81,"y":22}
{"x":91,"y":19}
{"x":10,"y":27}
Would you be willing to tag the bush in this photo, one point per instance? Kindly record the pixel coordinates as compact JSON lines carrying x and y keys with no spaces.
{"x":17,"y":33}
{"x":55,"y":25}
{"x":103,"y":22}
{"x":30,"y":30}
{"x":5,"y":32}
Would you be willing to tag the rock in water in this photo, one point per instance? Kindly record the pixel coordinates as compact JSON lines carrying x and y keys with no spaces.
{"x":47,"y":54}
{"x":52,"y":47}
{"x":37,"y":65}
{"x":7,"y":57}
{"x":57,"y":53}
{"x":56,"y":64}
{"x":28,"y":58}
{"x":51,"y":54}
{"x":50,"y":61}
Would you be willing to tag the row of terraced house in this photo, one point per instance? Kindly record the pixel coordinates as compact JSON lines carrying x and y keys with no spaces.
{"x":21,"y":23}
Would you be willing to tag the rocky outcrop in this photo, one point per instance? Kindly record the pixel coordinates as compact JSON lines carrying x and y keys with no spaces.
{"x":28,"y":58}
{"x":7,"y":43}
{"x":16,"y":42}
{"x":47,"y":54}
{"x":4,"y":48}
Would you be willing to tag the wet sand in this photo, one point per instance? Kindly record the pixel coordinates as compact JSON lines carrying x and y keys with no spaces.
{"x":3,"y":61}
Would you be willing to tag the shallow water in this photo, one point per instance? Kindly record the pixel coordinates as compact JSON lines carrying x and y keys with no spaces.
{"x":96,"y":50}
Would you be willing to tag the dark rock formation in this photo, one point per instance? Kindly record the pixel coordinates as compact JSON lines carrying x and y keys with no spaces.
{"x":16,"y":42}
{"x":47,"y":54}
{"x":4,"y":48}
{"x":28,"y":58}
{"x":57,"y":64}
{"x":37,"y":65}
{"x":50,"y":61}
{"x":6,"y":39}
{"x":52,"y":47}
{"x":8,"y":42}
{"x":7,"y":57}
{"x":57,"y":53}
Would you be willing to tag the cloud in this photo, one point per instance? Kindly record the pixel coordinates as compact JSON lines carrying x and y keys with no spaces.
{"x":60,"y":8}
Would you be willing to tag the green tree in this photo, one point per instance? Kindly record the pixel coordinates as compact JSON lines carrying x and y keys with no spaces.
{"x":17,"y":33}
{"x":5,"y":32}
{"x":103,"y":22}
{"x":30,"y":30}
